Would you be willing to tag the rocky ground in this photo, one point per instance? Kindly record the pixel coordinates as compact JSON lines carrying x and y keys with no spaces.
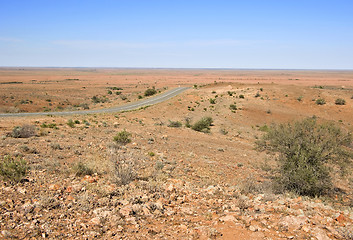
{"x":171,"y":183}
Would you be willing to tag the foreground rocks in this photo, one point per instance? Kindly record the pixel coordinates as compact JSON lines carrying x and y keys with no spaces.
{"x":79,"y":207}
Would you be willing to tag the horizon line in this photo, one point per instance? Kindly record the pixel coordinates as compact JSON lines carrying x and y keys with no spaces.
{"x":190,"y":68}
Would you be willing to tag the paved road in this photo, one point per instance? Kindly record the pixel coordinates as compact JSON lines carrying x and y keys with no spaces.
{"x":131,"y":106}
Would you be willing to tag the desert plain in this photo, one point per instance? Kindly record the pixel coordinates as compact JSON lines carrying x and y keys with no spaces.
{"x":174,"y":183}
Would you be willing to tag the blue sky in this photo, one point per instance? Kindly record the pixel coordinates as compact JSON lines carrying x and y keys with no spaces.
{"x":282,"y":34}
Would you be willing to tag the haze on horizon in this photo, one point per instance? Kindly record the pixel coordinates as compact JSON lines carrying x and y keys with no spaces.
{"x":270,"y":34}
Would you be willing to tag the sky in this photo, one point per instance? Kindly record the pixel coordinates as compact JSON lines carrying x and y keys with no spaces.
{"x":263,"y":34}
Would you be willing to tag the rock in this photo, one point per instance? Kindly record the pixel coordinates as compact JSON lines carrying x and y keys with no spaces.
{"x":187,"y":210}
{"x":125,"y":211}
{"x":54,"y":187}
{"x":253,"y":228}
{"x":89,"y":179}
{"x":227,"y":218}
{"x":95,"y":221}
{"x":340,"y":218}
{"x":320,"y":234}
{"x":146,"y":211}
{"x":293,"y":222}
{"x":6,"y":234}
{"x":21,"y":190}
{"x":27,"y":207}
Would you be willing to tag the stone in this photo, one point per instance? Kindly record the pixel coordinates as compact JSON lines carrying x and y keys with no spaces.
{"x":340,"y":218}
{"x":293,"y":222}
{"x":125,"y":211}
{"x":54,"y":187}
{"x":227,"y":218}
{"x":320,"y":234}
{"x":95,"y":221}
{"x":253,"y":228}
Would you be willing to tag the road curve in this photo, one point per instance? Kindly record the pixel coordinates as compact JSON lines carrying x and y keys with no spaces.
{"x":127,"y":107}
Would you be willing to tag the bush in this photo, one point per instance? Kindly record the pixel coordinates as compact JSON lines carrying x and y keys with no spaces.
{"x":13,"y":169}
{"x":81,"y":169}
{"x":123,"y":137}
{"x":212,"y":101}
{"x":241,"y":96}
{"x":71,"y":123}
{"x":203,"y":125}
{"x":340,"y":101}
{"x":233,"y":107}
{"x":305,"y":149}
{"x":24,"y":131}
{"x":320,"y":101}
{"x":150,"y":92}
{"x":175,"y":124}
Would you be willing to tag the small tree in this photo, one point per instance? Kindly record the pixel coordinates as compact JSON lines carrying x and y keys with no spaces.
{"x":305,"y":149}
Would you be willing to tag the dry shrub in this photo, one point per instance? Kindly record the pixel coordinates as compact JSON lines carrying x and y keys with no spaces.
{"x":24,"y":131}
{"x":13,"y":169}
{"x":124,"y":166}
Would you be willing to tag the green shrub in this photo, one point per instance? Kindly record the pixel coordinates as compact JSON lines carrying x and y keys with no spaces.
{"x":71,"y":123}
{"x":300,"y":98}
{"x":150,"y":92}
{"x":305,"y":149}
{"x":123,"y":137}
{"x":175,"y":124}
{"x":13,"y":169}
{"x":233,"y":107}
{"x":241,"y":96}
{"x":24,"y":131}
{"x":340,"y":101}
{"x":203,"y":125}
{"x":257,"y":94}
{"x":212,"y":101}
{"x":320,"y":101}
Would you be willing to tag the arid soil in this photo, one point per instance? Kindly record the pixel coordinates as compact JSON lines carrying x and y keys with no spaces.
{"x":179,"y":183}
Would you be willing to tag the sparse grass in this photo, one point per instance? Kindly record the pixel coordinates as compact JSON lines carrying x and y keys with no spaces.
{"x":306,"y":148}
{"x":49,"y":125}
{"x":82,"y":169}
{"x":175,"y":124}
{"x":223,"y":131}
{"x":13,"y":169}
{"x":320,"y":101}
{"x":123,"y":137}
{"x":203,"y":125}
{"x":24,"y":131}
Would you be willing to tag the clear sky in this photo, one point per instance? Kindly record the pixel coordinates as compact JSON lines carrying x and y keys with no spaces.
{"x":289,"y":34}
